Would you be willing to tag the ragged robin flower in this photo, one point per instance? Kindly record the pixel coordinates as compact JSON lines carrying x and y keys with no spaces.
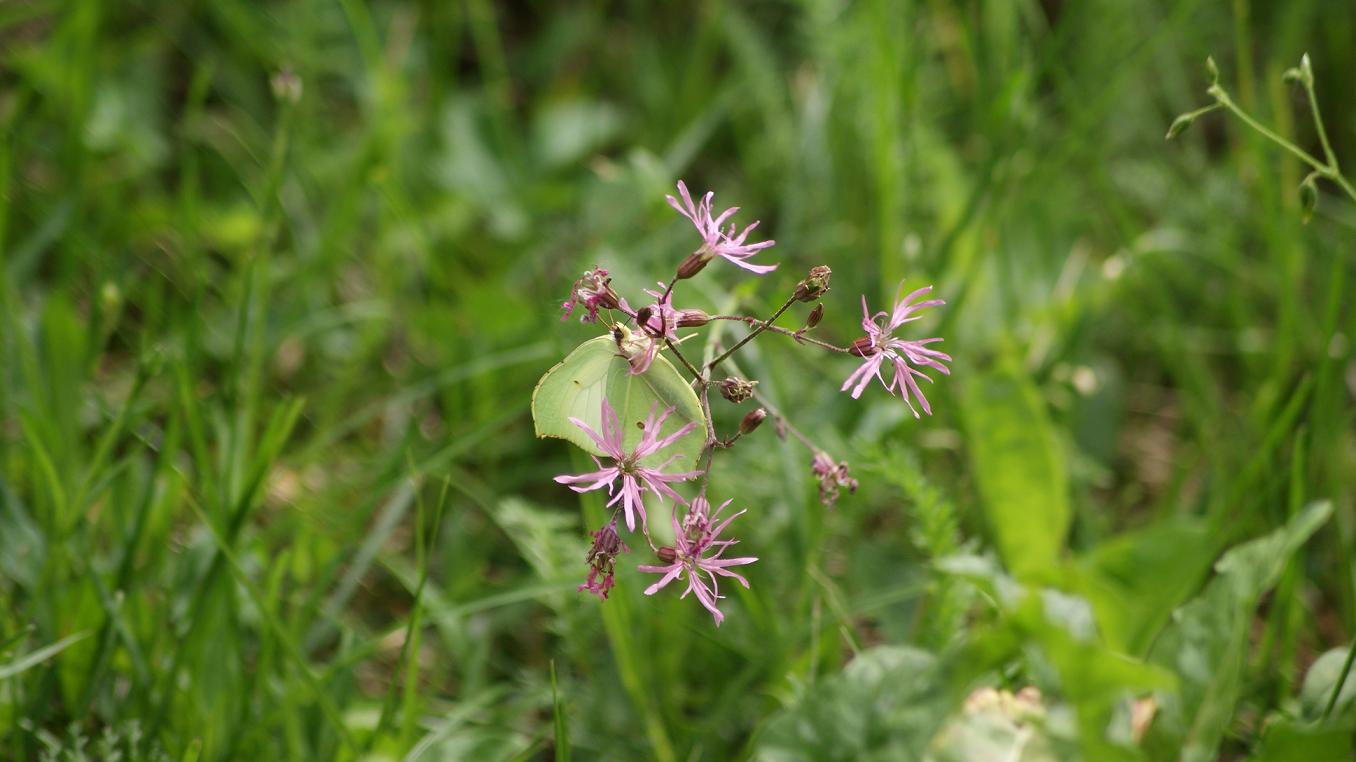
{"x":594,"y":291}
{"x":716,"y":242}
{"x":698,"y":553}
{"x":880,"y":345}
{"x":636,"y":479}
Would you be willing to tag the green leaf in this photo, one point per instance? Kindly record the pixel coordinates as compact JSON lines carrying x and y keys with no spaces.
{"x":1320,"y":681}
{"x":887,"y":703}
{"x":33,"y":659}
{"x":1135,"y":580}
{"x":1208,"y":643}
{"x":1286,"y":740}
{"x":1019,"y":468}
{"x":577,"y":386}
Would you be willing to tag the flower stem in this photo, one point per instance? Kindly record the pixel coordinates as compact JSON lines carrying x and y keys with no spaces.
{"x":761,"y":327}
{"x":783,"y":331}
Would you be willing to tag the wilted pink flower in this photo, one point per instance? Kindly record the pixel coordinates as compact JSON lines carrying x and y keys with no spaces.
{"x":879,"y":345}
{"x":637,"y":347}
{"x":715,"y":242}
{"x":662,"y":319}
{"x":636,"y":478}
{"x":593,"y":290}
{"x":832,"y":476}
{"x":693,"y":539}
{"x":602,"y":559}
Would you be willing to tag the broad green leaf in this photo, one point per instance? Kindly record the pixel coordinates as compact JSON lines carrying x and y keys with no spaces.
{"x":888,"y":703}
{"x":1319,"y":682}
{"x":1286,"y":740}
{"x":577,"y":386}
{"x":1092,"y":677}
{"x":1207,"y":644}
{"x":1136,"y":579}
{"x":1019,"y":468}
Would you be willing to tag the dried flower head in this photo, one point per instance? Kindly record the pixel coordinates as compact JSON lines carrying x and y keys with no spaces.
{"x":832,"y":476}
{"x":736,"y":389}
{"x":602,"y":559}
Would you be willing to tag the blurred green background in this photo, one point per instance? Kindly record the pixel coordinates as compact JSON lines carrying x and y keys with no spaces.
{"x":278,"y":280}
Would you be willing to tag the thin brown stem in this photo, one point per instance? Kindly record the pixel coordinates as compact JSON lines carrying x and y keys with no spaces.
{"x":696,"y":374}
{"x":797,"y":335}
{"x":762,"y":326}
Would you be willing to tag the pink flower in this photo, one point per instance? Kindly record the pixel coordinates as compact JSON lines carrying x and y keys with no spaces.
{"x":602,"y":559}
{"x":879,"y":346}
{"x":593,"y":290}
{"x":693,"y":538}
{"x":662,"y":318}
{"x":716,"y":242}
{"x":832,"y":476}
{"x":637,"y":347}
{"x":636,"y":479}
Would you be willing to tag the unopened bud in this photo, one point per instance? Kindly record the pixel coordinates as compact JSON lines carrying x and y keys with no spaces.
{"x":1308,"y":196}
{"x":737,"y":390}
{"x":815,"y":285}
{"x":752,"y":421}
{"x":816,"y":315}
{"x":1212,"y":70}
{"x":1179,"y":125}
{"x":667,"y":554}
{"x":1306,"y":71}
{"x":694,"y":263}
{"x":286,"y":85}
{"x":692,"y":318}
{"x":863,"y":347}
{"x":110,"y":297}
{"x":643,"y":316}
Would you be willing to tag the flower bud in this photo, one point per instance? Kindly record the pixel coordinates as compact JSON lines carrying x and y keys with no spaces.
{"x":863,"y":347}
{"x":1212,"y":70}
{"x":692,"y":318}
{"x":1308,"y":196}
{"x":643,"y":316}
{"x":694,"y":263}
{"x":752,"y":421}
{"x":816,"y":315}
{"x":736,"y":390}
{"x":1179,"y":125}
{"x":667,"y":554}
{"x":815,"y":285}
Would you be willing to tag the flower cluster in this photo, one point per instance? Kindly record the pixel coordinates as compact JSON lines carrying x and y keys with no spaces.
{"x":643,"y":476}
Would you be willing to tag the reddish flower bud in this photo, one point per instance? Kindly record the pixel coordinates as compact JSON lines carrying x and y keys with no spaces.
{"x":667,"y":554}
{"x":736,"y":390}
{"x":695,"y":263}
{"x":692,"y":318}
{"x":752,"y":421}
{"x":815,"y":285}
{"x":863,"y":347}
{"x":815,"y":316}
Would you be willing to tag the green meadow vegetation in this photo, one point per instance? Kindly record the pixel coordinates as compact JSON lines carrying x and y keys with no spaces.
{"x":278,"y":280}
